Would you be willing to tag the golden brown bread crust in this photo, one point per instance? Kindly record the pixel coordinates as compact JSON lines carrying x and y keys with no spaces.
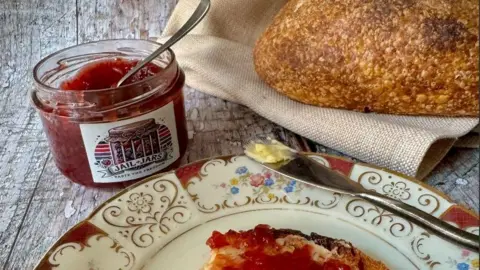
{"x":417,"y":57}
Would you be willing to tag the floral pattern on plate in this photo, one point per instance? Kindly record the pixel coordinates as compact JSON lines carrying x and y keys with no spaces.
{"x":468,"y":261}
{"x":262,"y":184}
{"x":145,"y":221}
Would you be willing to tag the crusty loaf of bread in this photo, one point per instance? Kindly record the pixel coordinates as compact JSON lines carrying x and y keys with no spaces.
{"x":415,"y":57}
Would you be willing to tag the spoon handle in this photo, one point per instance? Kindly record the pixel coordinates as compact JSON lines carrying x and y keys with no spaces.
{"x":424,"y":220}
{"x":196,"y":17}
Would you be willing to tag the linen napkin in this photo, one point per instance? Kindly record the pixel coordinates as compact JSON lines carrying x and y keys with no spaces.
{"x":217,"y":59}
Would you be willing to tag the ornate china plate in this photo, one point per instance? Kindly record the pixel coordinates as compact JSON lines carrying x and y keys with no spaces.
{"x":164,"y":221}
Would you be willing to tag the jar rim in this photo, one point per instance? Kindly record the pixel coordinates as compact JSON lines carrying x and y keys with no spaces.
{"x":50,"y":89}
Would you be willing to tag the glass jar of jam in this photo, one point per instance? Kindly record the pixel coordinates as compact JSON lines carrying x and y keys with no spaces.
{"x":102,"y":135}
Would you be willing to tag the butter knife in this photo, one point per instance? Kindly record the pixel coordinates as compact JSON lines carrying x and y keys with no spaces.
{"x":308,"y":171}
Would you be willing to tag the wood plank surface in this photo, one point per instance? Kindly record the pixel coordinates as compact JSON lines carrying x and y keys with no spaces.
{"x":38,"y":204}
{"x":458,"y":177}
{"x":29,"y":30}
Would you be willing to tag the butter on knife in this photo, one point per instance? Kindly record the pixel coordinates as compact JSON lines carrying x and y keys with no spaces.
{"x":268,"y":151}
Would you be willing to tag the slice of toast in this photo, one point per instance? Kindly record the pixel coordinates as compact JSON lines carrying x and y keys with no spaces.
{"x":267,"y":248}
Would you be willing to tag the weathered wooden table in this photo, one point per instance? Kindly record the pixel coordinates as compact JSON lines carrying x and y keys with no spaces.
{"x":38,"y":204}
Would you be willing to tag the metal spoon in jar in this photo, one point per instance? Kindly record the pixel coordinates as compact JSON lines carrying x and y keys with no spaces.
{"x":196,"y":17}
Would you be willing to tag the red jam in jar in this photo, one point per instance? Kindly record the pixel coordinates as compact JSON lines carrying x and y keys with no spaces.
{"x":101,"y":135}
{"x":105,"y":74}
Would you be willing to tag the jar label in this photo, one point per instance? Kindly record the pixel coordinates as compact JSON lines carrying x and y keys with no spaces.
{"x":133,"y":148}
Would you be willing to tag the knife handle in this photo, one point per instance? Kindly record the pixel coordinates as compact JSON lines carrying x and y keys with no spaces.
{"x":424,"y":220}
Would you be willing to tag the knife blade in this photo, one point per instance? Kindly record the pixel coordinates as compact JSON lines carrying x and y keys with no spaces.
{"x":308,"y":171}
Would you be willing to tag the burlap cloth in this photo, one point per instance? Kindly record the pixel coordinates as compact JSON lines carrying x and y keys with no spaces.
{"x":217,"y":60}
